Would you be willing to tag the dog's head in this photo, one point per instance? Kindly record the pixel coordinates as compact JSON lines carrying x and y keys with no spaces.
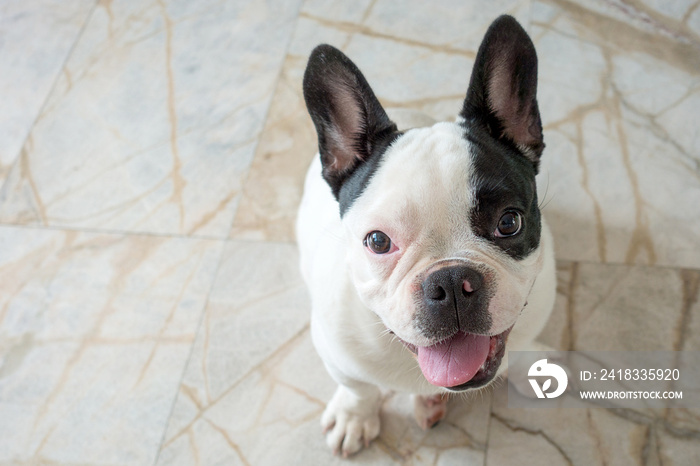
{"x":442,"y":223}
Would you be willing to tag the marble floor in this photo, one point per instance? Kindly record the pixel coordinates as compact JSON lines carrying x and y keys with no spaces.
{"x":151,"y":160}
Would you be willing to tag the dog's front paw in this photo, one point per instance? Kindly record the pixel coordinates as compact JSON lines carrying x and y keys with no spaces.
{"x":430,"y":410}
{"x":351,"y":422}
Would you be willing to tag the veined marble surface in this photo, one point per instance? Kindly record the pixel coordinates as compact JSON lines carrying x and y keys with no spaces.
{"x":35,"y":40}
{"x":96,"y":330}
{"x":151,"y":161}
{"x":153,"y":135}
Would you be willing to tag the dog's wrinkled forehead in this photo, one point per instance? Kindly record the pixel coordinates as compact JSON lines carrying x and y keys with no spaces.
{"x":422,"y":179}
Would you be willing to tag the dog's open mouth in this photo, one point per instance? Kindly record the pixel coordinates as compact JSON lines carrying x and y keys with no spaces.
{"x":463,"y":361}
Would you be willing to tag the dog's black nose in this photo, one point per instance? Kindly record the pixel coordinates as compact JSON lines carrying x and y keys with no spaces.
{"x":453,"y":298}
{"x":451,"y":286}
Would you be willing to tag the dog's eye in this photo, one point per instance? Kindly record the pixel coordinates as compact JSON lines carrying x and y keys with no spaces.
{"x":509,"y":224}
{"x":378,"y":242}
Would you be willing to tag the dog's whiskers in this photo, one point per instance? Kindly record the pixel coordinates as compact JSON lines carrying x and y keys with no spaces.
{"x":545,"y":201}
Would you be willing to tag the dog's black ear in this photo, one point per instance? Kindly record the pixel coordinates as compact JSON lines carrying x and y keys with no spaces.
{"x":348,"y":117}
{"x":502,"y":94}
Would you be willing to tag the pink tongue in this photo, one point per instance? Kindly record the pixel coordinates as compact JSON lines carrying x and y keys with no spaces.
{"x":454,"y":361}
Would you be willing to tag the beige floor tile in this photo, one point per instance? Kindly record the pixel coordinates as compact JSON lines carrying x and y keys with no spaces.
{"x":623,"y":308}
{"x":146,"y":132}
{"x":565,"y":436}
{"x":35,"y":39}
{"x":95,"y":331}
{"x":273,"y":189}
{"x":620,"y":171}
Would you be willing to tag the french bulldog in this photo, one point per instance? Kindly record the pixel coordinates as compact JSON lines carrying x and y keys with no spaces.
{"x":422,"y":246}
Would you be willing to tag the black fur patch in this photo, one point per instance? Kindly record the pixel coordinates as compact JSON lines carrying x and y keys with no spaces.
{"x":502,"y":92}
{"x":356,"y":183}
{"x":351,"y":125}
{"x":502,"y":180}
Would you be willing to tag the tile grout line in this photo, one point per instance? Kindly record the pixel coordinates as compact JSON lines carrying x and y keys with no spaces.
{"x":71,"y":49}
{"x":186,"y":364}
{"x":225,"y":241}
{"x":278,"y":78}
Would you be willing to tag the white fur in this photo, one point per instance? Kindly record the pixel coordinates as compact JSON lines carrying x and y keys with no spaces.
{"x":416,"y":198}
